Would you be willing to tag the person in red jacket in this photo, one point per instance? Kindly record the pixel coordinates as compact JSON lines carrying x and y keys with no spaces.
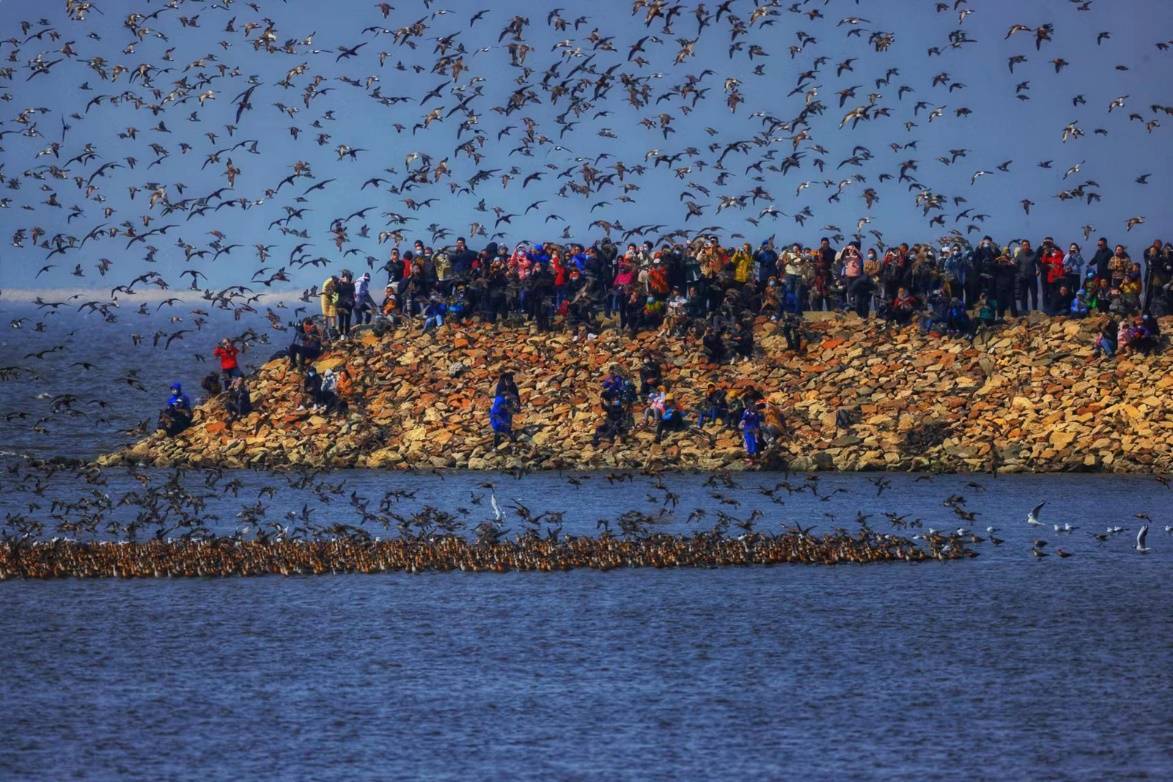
{"x":227,"y":353}
{"x":1052,"y":271}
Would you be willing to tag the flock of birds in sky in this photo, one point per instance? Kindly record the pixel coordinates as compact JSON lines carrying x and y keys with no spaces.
{"x":189,"y":142}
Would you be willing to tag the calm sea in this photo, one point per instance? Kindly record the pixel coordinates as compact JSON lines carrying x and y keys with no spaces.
{"x":1000,"y":667}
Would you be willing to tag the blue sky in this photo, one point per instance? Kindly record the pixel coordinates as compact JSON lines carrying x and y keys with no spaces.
{"x":1000,"y":128}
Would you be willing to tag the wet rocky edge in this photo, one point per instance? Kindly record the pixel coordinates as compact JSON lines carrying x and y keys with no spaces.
{"x":228,"y":556}
{"x":1025,"y":396}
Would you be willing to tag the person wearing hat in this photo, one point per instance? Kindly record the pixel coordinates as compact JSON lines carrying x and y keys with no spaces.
{"x":765,"y":262}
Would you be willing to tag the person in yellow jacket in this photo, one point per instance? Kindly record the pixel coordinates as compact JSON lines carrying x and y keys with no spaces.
{"x":329,"y":298}
{"x":743,"y":264}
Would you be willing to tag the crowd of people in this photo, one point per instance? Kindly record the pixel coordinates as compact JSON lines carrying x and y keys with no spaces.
{"x":713,"y":294}
{"x":714,"y":291}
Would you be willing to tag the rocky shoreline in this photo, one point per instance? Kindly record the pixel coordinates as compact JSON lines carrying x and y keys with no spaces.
{"x":1026,"y":397}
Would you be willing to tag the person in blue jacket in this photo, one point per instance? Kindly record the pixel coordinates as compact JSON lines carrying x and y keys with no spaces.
{"x":501,"y":418}
{"x":177,"y":415}
{"x":179,"y":399}
{"x":751,"y":428}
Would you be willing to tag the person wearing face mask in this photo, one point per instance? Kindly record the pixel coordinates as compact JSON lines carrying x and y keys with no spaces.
{"x":985,"y":255}
{"x":1073,"y":267}
{"x":1003,"y":282}
{"x":1050,"y":263}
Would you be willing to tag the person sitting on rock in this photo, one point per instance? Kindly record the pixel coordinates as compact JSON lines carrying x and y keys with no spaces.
{"x":987,"y":313}
{"x":751,"y":428}
{"x":239,"y":403}
{"x":715,"y":407}
{"x":650,"y":375}
{"x":675,"y":319}
{"x":615,"y":384}
{"x":737,"y":405}
{"x":957,"y":320}
{"x":792,"y":331}
{"x":1106,"y":340}
{"x":902,"y":307}
{"x":434,"y":313}
{"x":1146,"y":334}
{"x":773,"y":423}
{"x":713,"y":346}
{"x":655,"y":407}
{"x":1061,"y":300}
{"x":1079,"y":307}
{"x":671,"y":419}
{"x":744,"y":343}
{"x":211,"y":384}
{"x":501,"y":419}
{"x":1124,"y":335}
{"x":307,"y":345}
{"x":390,"y":308}
{"x":344,"y":384}
{"x":581,"y":310}
{"x":315,"y":396}
{"x":177,"y":415}
{"x":615,"y":420}
{"x":935,"y":317}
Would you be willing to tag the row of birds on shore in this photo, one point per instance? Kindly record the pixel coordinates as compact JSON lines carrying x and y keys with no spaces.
{"x":185,"y":506}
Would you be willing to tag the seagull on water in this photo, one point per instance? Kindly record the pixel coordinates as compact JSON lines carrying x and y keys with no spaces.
{"x":1142,"y":538}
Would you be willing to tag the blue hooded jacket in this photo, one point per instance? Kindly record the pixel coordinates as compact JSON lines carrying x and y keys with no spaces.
{"x":501,"y":414}
{"x":178,"y":398}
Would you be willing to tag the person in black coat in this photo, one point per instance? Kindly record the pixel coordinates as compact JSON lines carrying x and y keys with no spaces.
{"x":1004,"y":278}
{"x":713,"y":345}
{"x":345,"y":304}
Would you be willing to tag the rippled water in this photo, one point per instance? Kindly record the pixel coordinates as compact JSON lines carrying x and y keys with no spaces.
{"x":1000,"y":667}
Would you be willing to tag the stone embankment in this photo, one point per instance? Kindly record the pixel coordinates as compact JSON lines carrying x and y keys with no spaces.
{"x":1028,"y":396}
